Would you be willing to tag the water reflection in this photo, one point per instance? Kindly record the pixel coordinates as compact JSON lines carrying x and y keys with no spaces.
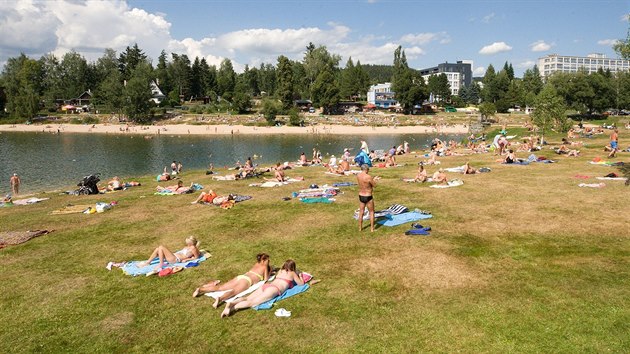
{"x":45,"y":161}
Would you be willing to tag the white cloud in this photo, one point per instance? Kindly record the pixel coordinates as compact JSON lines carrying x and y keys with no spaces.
{"x":525,"y":64}
{"x":90,"y":26}
{"x":371,"y":1}
{"x":625,"y":17}
{"x":479,"y":71}
{"x":424,"y":38}
{"x":540,"y":46}
{"x":607,"y":42}
{"x":495,"y":48}
{"x":488,"y":18}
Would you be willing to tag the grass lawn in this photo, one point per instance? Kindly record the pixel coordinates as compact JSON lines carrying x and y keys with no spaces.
{"x":519,"y":260}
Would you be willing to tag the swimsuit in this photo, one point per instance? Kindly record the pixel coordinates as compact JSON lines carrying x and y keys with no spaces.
{"x":248,"y":279}
{"x":365,"y":198}
{"x":289,"y":283}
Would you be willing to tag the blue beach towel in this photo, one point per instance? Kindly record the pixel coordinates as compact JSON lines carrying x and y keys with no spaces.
{"x":313,"y":200}
{"x":131,"y":268}
{"x":520,"y":163}
{"x":291,"y":292}
{"x":343,"y":184}
{"x":395,"y":220}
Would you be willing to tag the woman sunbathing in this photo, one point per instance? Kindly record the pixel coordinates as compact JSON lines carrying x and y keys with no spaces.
{"x":285,"y":279}
{"x":259,"y":272}
{"x":190,"y":252}
{"x":179,"y":188}
{"x":469,"y":170}
{"x":205,"y":197}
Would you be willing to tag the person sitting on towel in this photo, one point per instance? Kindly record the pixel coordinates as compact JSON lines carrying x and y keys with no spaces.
{"x":260,"y":271}
{"x":285,"y":279}
{"x":440,"y":177}
{"x":421,"y":175}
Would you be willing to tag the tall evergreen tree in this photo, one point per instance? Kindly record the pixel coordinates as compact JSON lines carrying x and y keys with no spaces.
{"x":226,"y":79}
{"x":129,"y":59}
{"x":285,"y":82}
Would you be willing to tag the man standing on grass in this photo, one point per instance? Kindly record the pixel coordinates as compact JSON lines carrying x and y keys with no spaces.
{"x":614,"y":142}
{"x":15,"y":184}
{"x":366,"y":187}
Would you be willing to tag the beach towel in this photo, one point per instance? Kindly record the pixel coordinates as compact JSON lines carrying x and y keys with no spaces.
{"x":313,"y":200}
{"x":399,"y":219}
{"x":215,"y":294}
{"x":8,"y":238}
{"x":519,"y":163}
{"x":29,"y":201}
{"x":452,"y":183}
{"x":613,"y":178}
{"x":592,"y":185}
{"x":71,"y":209}
{"x":392,"y":210}
{"x":298,"y":289}
{"x":132,"y":268}
{"x":458,"y":169}
{"x":343,"y":184}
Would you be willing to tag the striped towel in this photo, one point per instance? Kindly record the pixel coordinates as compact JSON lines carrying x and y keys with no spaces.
{"x":395,"y":209}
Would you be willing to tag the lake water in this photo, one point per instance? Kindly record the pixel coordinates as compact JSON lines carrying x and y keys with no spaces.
{"x":47,"y":161}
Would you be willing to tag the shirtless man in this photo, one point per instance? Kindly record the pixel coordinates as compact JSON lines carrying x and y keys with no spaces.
{"x":366,"y":186}
{"x":614,"y":142}
{"x":15,"y":184}
{"x":440,"y":177}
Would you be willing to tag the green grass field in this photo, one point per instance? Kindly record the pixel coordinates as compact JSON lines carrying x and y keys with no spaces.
{"x":519,"y":260}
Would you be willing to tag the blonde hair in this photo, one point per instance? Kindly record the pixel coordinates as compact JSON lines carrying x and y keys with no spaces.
{"x":193,"y":240}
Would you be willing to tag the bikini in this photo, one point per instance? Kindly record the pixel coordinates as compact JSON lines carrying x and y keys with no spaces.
{"x":184,"y":253}
{"x":289,"y":283}
{"x":248,"y":279}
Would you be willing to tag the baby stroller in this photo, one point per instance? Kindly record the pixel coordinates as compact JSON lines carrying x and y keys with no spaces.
{"x":88,"y":184}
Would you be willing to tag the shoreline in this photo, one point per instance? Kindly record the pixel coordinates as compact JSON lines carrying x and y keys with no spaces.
{"x":188,"y":129}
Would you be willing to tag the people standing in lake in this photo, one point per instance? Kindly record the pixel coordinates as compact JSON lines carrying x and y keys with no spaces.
{"x":174,"y":167}
{"x":180,"y":167}
{"x":366,"y":199}
{"x":15,"y":184}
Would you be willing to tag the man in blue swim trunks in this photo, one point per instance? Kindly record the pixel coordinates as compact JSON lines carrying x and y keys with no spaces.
{"x":614,"y":142}
{"x":366,"y":187}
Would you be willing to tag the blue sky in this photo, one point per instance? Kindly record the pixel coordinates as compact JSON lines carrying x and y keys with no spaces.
{"x":251,"y":32}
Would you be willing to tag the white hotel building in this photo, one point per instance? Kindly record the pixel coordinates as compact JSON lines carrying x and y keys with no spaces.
{"x":591,"y":63}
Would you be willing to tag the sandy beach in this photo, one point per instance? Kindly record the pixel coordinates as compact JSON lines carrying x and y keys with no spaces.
{"x":184,"y":129}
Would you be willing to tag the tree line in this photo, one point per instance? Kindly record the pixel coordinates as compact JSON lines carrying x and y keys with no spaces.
{"x":122,"y":82}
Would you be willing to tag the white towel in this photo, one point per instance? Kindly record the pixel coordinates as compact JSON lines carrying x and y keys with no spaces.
{"x":251,"y":289}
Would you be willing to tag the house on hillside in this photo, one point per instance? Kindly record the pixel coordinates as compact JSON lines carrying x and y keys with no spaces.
{"x":156,"y":94}
{"x":84,"y":99}
{"x":382,"y":96}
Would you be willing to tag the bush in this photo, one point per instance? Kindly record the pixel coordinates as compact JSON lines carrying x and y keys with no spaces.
{"x":294,"y":118}
{"x":270,"y":109}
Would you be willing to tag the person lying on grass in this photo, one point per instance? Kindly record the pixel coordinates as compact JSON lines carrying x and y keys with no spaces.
{"x":469,"y":170}
{"x":188,"y":253}
{"x":179,"y":188}
{"x":259,"y":271}
{"x":285,"y":279}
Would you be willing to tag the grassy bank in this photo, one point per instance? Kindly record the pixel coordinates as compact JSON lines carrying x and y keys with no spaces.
{"x":520,"y":259}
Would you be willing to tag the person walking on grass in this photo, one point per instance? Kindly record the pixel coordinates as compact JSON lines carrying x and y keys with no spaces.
{"x":614,"y":142}
{"x":366,"y":188}
{"x":15,"y":184}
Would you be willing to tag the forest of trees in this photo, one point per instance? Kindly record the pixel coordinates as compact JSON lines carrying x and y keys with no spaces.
{"x":121,"y":83}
